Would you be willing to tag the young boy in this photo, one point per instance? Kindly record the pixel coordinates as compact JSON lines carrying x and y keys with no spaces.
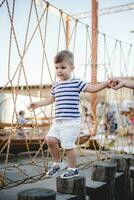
{"x":117,"y":83}
{"x":66,"y":126}
{"x":20,"y":121}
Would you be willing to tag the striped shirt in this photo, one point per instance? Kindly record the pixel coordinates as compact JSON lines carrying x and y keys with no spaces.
{"x":67,"y":94}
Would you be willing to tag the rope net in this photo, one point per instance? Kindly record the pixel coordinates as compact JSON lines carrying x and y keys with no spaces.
{"x":34,"y":31}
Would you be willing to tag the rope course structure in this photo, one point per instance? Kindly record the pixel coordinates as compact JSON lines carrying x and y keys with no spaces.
{"x":34,"y":32}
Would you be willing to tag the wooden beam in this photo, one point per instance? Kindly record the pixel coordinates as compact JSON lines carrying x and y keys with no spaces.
{"x":94,"y":53}
{"x":10,"y":125}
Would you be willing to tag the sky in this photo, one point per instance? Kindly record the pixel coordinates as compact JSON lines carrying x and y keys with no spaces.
{"x":117,"y":25}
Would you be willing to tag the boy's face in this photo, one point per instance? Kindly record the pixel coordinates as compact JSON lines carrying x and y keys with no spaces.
{"x":63,"y":70}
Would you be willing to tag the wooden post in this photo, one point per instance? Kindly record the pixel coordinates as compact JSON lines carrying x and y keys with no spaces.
{"x":123,"y":163}
{"x":63,"y":196}
{"x":67,"y":32}
{"x":94,"y":53}
{"x":119,"y":182}
{"x":131,"y":183}
{"x":37,"y":194}
{"x":76,"y":186}
{"x":105,"y":172}
{"x":132,"y":161}
{"x":96,"y":190}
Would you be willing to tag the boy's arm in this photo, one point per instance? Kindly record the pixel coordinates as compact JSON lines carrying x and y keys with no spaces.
{"x":117,"y":83}
{"x":97,"y":87}
{"x":129,"y":84}
{"x":45,"y":102}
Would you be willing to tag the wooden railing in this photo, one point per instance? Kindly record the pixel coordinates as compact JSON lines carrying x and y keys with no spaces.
{"x":10,"y":125}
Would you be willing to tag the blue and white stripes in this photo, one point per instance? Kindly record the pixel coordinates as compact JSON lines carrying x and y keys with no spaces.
{"x":66,"y":95}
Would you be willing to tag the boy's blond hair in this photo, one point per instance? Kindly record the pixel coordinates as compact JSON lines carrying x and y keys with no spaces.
{"x":64,"y":55}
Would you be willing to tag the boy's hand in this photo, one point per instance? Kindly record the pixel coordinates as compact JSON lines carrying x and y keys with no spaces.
{"x":116,"y":83}
{"x":113,"y":83}
{"x":32,"y":106}
{"x":108,"y":84}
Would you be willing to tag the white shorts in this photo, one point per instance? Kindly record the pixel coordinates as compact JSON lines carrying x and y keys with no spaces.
{"x":66,"y":131}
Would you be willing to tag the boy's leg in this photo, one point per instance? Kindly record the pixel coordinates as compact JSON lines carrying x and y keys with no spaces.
{"x":54,"y":150}
{"x":72,"y":170}
{"x":53,"y":147}
{"x":70,"y":132}
{"x":71,"y":156}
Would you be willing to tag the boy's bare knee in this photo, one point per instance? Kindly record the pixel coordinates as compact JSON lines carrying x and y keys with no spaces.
{"x":51,"y":141}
